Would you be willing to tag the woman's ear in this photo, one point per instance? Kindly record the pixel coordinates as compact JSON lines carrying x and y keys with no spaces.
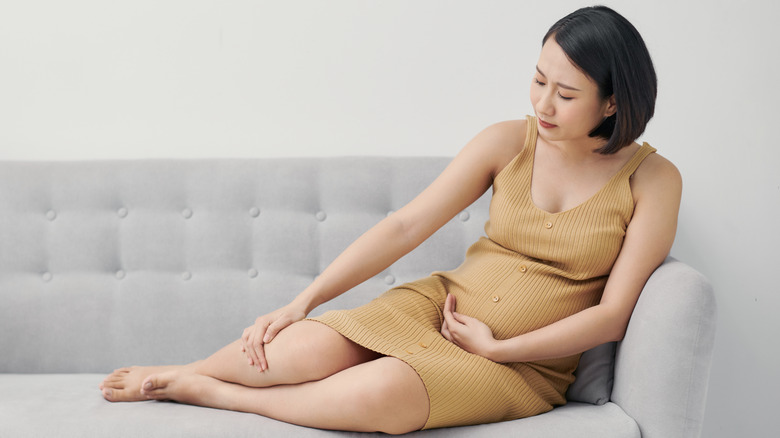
{"x":611,"y":107}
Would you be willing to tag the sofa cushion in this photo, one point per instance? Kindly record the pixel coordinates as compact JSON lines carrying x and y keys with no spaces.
{"x":594,"y":375}
{"x":70,"y":405}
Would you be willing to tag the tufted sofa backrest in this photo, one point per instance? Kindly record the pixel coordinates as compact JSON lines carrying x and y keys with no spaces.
{"x":111,"y":263}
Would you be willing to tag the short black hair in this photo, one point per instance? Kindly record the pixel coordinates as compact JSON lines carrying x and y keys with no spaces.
{"x":608,"y":49}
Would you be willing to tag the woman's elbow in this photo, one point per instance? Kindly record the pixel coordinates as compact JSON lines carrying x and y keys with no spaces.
{"x":618,"y":334}
{"x":616,"y":329}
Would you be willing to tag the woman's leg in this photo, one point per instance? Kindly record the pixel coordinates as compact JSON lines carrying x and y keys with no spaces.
{"x":383,"y":395}
{"x":304,"y":351}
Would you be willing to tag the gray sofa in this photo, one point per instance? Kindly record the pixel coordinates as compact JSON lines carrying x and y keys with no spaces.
{"x":114,"y":263}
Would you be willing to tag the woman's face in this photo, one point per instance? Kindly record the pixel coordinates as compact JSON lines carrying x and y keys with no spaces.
{"x":566,"y":101}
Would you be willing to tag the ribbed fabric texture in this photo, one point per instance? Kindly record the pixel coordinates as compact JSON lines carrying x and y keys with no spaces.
{"x":532,"y":269}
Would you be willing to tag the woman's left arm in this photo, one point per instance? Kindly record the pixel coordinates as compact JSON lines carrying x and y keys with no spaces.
{"x":657,"y":188}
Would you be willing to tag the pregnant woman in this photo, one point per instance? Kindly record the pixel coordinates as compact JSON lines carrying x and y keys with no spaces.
{"x":581,"y":215}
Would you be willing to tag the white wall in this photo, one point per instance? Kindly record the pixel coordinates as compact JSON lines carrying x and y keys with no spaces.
{"x":103,"y":80}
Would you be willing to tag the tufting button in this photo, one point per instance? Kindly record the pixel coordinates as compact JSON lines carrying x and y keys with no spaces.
{"x":464,"y":216}
{"x":46,"y":276}
{"x":186,"y":275}
{"x":253,"y":273}
{"x":122,"y":212}
{"x":254,"y":212}
{"x":389,"y":279}
{"x":120,"y":274}
{"x":321,"y":216}
{"x":51,"y":215}
{"x":187,"y":213}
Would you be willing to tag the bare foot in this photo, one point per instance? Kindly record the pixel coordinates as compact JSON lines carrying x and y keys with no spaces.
{"x":182,"y":386}
{"x":124,"y":384}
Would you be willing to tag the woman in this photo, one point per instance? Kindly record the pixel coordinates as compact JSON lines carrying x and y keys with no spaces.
{"x":581,"y":215}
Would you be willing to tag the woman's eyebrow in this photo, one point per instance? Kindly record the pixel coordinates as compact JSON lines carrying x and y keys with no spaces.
{"x":567,"y":87}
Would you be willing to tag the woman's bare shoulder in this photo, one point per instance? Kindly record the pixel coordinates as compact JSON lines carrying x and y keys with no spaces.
{"x":658,"y":175}
{"x":502,"y":141}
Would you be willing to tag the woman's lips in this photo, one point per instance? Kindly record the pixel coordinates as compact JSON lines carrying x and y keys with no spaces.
{"x":546,"y":125}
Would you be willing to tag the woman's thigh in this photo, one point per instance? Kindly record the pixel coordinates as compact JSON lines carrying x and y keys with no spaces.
{"x":385,"y":395}
{"x":302,"y":352}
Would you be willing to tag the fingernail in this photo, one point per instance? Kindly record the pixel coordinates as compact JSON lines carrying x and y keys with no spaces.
{"x":107,"y":393}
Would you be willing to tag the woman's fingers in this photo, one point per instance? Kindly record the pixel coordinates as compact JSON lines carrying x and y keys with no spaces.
{"x":250,"y":348}
{"x":258,"y":344}
{"x":448,"y":308}
{"x":252,"y":344}
{"x":264,"y":331}
{"x":450,"y":326}
{"x":449,"y":304}
{"x":274,"y":328}
{"x":463,"y":319}
{"x":446,"y":332}
{"x":449,"y":314}
{"x":262,"y":364}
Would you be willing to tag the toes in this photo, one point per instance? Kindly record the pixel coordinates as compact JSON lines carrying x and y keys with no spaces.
{"x":119,"y":371}
{"x":124,"y":384}
{"x":156,"y":386}
{"x":113,"y":383}
{"x":116,"y":375}
{"x":120,"y":395}
{"x":152,"y":385}
{"x":112,"y":395}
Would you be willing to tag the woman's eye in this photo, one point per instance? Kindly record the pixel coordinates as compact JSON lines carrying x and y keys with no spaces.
{"x":538,"y":81}
{"x":564,"y":97}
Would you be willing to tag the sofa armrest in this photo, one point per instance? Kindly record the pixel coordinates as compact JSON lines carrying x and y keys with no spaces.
{"x":662,"y":365}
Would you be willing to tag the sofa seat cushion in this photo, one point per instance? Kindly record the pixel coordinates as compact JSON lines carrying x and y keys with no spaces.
{"x":70,"y":405}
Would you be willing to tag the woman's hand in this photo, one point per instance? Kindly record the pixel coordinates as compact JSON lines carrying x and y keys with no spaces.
{"x":264,"y":330}
{"x":466,"y":332}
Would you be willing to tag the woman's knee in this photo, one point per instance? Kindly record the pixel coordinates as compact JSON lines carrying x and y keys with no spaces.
{"x":309,"y":350}
{"x":393,"y":398}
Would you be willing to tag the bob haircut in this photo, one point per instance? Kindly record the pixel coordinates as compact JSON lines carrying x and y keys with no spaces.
{"x":610,"y":51}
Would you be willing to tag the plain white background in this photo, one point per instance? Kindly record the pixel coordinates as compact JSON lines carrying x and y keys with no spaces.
{"x":84,"y":80}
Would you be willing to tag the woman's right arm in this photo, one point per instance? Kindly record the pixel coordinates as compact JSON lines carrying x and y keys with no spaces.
{"x":464,"y":180}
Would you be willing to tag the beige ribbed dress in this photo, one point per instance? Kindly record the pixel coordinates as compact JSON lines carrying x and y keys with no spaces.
{"x":532,"y":269}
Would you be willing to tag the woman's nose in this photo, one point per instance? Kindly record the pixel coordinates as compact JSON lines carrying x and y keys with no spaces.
{"x":544,"y":105}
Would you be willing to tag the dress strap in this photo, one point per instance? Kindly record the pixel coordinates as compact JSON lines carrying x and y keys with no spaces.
{"x":530,"y":132}
{"x":640,"y":155}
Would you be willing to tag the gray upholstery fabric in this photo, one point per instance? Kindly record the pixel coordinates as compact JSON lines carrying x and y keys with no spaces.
{"x":56,"y":405}
{"x":594,"y":375}
{"x":107,"y":264}
{"x":679,"y":315}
